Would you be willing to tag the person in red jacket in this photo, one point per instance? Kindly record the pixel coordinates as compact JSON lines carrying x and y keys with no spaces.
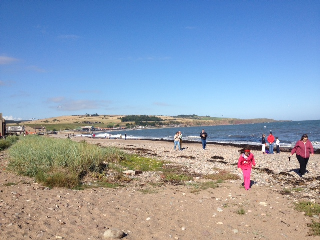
{"x":303,"y":148}
{"x":245,"y":163}
{"x":270,"y":140}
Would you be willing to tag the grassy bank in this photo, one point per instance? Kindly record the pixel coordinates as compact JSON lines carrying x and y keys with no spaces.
{"x":63,"y":163}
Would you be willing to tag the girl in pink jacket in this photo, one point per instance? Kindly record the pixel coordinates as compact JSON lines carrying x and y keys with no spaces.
{"x":303,"y":148}
{"x":245,"y":163}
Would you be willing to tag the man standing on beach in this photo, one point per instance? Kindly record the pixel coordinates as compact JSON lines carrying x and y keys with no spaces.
{"x":270,"y":140}
{"x":203,"y":136}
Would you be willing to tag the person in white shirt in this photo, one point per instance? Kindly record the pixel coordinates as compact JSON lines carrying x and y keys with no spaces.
{"x":278,"y":144}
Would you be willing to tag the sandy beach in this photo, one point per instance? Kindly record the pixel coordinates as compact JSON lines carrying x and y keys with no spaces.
{"x":145,"y":210}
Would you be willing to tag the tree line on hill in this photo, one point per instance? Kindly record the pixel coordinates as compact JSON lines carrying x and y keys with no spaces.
{"x":143,"y":120}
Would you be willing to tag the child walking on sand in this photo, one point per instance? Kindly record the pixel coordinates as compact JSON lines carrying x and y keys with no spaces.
{"x":245,"y":163}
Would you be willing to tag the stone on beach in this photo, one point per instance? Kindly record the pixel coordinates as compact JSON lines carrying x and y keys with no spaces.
{"x":113,"y":233}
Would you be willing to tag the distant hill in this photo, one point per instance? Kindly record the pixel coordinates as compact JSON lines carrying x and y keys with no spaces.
{"x":129,"y":121}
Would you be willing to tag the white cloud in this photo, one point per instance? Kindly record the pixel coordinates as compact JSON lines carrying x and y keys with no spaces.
{"x":11,"y":118}
{"x":7,"y":60}
{"x":56,"y":99}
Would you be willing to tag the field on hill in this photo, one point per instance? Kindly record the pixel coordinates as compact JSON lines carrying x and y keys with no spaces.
{"x":116,"y":121}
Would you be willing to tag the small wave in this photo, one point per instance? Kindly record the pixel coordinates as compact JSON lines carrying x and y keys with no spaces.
{"x":193,"y":136}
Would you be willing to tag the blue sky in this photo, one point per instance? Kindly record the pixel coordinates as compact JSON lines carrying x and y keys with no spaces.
{"x":238,"y":59}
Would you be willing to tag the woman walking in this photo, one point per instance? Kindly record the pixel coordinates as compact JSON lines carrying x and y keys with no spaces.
{"x":245,"y":163}
{"x":303,"y":148}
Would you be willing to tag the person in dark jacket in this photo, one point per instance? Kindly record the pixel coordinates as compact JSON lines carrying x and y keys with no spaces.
{"x":203,"y":136}
{"x":303,"y":148}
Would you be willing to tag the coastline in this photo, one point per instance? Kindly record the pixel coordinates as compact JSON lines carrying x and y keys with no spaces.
{"x":256,"y":147}
{"x":146,"y":209}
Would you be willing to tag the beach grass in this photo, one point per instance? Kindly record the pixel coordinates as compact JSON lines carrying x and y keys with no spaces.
{"x":314,"y":228}
{"x":64,"y":163}
{"x":241,"y":211}
{"x":310,"y":209}
{"x":175,"y":174}
{"x":197,"y":187}
{"x":222,"y":175}
{"x":78,"y":165}
{"x":55,"y":162}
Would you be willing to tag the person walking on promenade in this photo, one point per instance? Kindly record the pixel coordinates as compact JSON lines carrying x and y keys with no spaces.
{"x":303,"y":148}
{"x":203,"y":136}
{"x":176,"y":141}
{"x":270,"y":140}
{"x":263,"y":143}
{"x":245,"y":163}
{"x":278,"y":145}
{"x":180,"y":139}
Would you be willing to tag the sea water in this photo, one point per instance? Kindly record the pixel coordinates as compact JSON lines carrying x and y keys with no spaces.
{"x":288,"y":133}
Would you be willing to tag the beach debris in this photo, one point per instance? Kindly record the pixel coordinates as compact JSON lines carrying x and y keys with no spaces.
{"x":129,"y":172}
{"x":113,"y":233}
{"x":263,"y":204}
{"x":132,"y":172}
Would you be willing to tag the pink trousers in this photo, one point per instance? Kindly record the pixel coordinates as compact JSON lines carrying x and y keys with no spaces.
{"x":246,"y":177}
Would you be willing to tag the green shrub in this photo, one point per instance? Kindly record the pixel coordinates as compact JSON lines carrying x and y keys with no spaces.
{"x":315,"y":228}
{"x":58,"y":179}
{"x":9,"y":141}
{"x":4,"y":144}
